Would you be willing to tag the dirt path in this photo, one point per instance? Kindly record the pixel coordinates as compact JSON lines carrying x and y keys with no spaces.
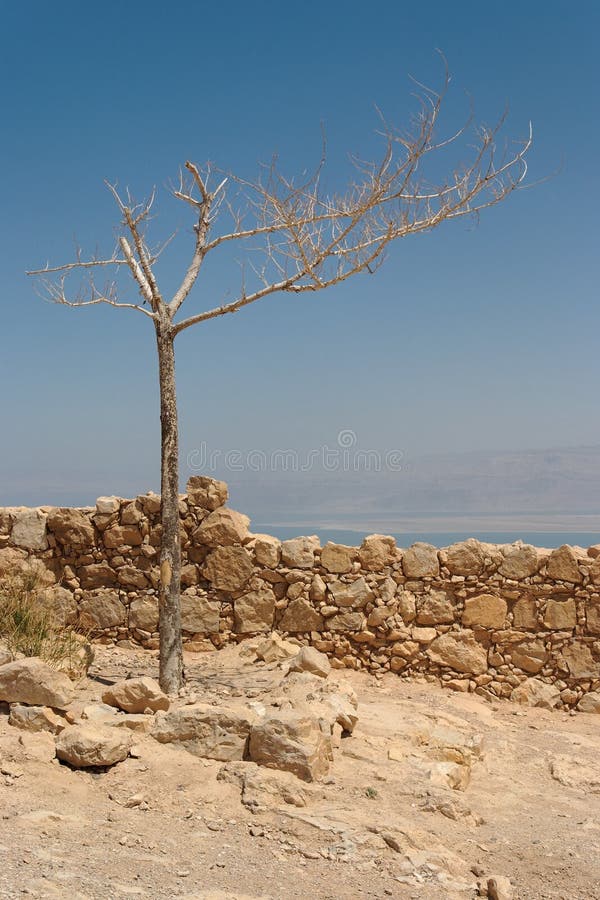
{"x":433,"y":791}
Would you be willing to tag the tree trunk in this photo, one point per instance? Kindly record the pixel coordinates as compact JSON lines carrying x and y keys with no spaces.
{"x":171,"y":654}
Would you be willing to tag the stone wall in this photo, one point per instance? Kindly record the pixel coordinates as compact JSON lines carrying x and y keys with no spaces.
{"x":510,"y":620}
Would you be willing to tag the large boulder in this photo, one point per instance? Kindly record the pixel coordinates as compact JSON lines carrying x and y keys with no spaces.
{"x":377,"y":551}
{"x":206,"y":731}
{"x":221,"y":528}
{"x":460,"y":651}
{"x":102,"y":609}
{"x":465,"y":557}
{"x":254,"y":611}
{"x":143,"y":614}
{"x":36,"y":718}
{"x":34,"y":682}
{"x":530,"y":656}
{"x":199,"y":614}
{"x":579,"y":661}
{"x":560,"y":615}
{"x":135,"y":695}
{"x":563,"y":565}
{"x":267,"y":550}
{"x":329,"y":701}
{"x":85,"y":746}
{"x":436,"y":608}
{"x":72,"y":528}
{"x":338,"y":558}
{"x":354,"y":595}
{"x":590,"y":703}
{"x":486,"y":610}
{"x":228,"y":568}
{"x":207,"y":493}
{"x":29,"y":529}
{"x":299,"y":553}
{"x":520,"y":562}
{"x":292,"y":742}
{"x":301,"y":616}
{"x":421,"y":561}
{"x":535,"y":692}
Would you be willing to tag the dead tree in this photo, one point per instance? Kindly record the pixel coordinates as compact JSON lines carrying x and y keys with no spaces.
{"x":297,"y":237}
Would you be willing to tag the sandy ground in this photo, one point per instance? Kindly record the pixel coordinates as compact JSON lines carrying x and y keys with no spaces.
{"x":386,"y":822}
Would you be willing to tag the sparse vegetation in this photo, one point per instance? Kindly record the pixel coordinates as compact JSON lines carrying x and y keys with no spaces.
{"x":29,"y":627}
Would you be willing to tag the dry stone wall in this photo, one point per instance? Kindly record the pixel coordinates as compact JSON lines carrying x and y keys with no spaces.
{"x":504,"y":620}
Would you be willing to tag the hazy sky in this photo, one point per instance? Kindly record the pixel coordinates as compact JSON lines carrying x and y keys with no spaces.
{"x":469,"y":338}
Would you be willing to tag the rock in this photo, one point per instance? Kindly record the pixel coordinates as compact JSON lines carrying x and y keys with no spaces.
{"x":560,"y":615}
{"x":131,"y":513}
{"x":310,"y":660}
{"x":525,"y":614}
{"x":299,"y":553}
{"x":301,"y":616}
{"x":579,"y":661}
{"x":436,"y":608}
{"x":106,"y":506}
{"x":487,"y":610}
{"x":36,"y":718}
{"x":355,"y":594}
{"x":122,"y":536}
{"x":407,"y":605}
{"x":520,"y":562}
{"x":318,"y":589}
{"x":535,"y":692}
{"x":499,"y":888}
{"x":38,"y":746}
{"x":222,"y":528}
{"x":530,"y":656}
{"x":590,"y":703}
{"x":254,"y":611}
{"x":459,"y":651}
{"x":72,"y":528}
{"x":562,"y":565}
{"x":134,"y":695}
{"x":60,"y":603}
{"x":592,"y":615}
{"x":199,"y":614}
{"x":275,"y":649}
{"x":267,"y":550}
{"x":206,"y":731}
{"x":293,"y":743}
{"x":101,"y":609}
{"x":572,"y":773}
{"x":228,"y":568}
{"x":346,"y":621}
{"x":97,"y":575}
{"x":11,"y":561}
{"x":131,"y":577}
{"x":421,"y":561}
{"x":329,"y":701}
{"x":33,"y":682}
{"x":338,"y":558}
{"x":29,"y":529}
{"x":143,"y":614}
{"x":100,"y":713}
{"x":464,"y":558}
{"x":93,"y":745}
{"x":207,"y":493}
{"x":378,"y":551}
{"x":5,"y":656}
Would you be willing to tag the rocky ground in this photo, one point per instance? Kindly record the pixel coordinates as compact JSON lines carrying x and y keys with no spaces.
{"x":434,"y":795}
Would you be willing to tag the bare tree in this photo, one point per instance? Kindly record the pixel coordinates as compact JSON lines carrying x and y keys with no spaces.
{"x":296,"y":237}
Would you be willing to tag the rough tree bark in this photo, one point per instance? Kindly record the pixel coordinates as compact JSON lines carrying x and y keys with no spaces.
{"x":308,"y":239}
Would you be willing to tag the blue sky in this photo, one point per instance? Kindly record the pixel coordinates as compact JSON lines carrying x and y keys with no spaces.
{"x":469,"y":338}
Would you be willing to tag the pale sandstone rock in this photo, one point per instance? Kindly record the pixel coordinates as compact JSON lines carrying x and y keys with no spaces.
{"x":421,"y":561}
{"x":407,"y":605}
{"x":254,"y":611}
{"x":38,"y":746}
{"x":97,"y":575}
{"x":525,"y":614}
{"x":562,"y":565}
{"x":222,"y":528}
{"x":29,"y":529}
{"x":11,"y":560}
{"x":580,"y":661}
{"x":301,"y":616}
{"x":530,"y":656}
{"x":293,"y":743}
{"x":262,"y":788}
{"x":560,"y":615}
{"x":101,"y":609}
{"x":207,"y":493}
{"x":122,"y":536}
{"x":228,"y":568}
{"x":595,"y":571}
{"x":36,"y":718}
{"x":143,"y":614}
{"x":299,"y":553}
{"x":487,"y":610}
{"x":318,"y":589}
{"x":93,"y":745}
{"x":464,"y":558}
{"x":131,"y":577}
{"x":131,"y":513}
{"x":134,"y":695}
{"x":71,"y":527}
{"x":535,"y":692}
{"x":592,"y":614}
{"x":106,"y":506}
{"x":520,"y":562}
{"x":267,"y":550}
{"x":5,"y":656}
{"x":33,"y":682}
{"x":199,"y":614}
{"x":378,"y":551}
{"x":499,"y":888}
{"x":60,"y":603}
{"x":329,"y":701}
{"x":436,"y":608}
{"x":590,"y":703}
{"x":459,"y":651}
{"x":275,"y":649}
{"x":354,"y":595}
{"x":310,"y":660}
{"x":338,"y":558}
{"x":346,"y":621}
{"x":206,"y":731}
